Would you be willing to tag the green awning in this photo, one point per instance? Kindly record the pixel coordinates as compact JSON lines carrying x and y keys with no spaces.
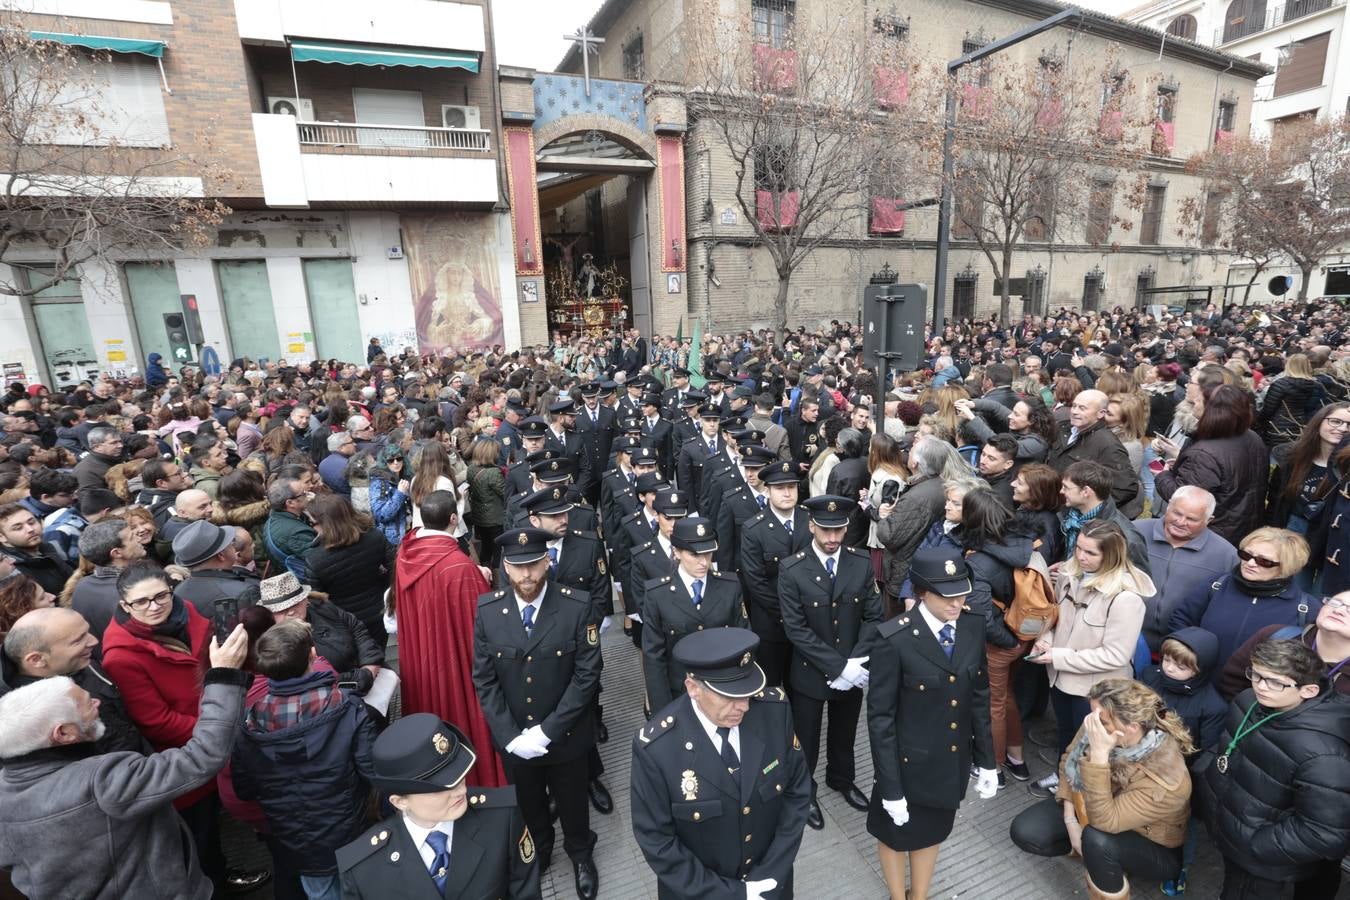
{"x":95,"y":42}
{"x":366,"y":55}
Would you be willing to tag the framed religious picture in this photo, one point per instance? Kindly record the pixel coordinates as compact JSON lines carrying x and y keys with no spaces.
{"x":673,"y":283}
{"x":529,"y":292}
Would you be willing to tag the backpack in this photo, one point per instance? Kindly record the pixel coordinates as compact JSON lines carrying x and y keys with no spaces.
{"x":1034,"y":608}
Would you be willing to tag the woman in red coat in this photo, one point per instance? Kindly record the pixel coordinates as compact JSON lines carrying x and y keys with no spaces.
{"x":156,"y":650}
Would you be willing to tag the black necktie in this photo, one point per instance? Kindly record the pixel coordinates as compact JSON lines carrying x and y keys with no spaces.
{"x":729,"y":757}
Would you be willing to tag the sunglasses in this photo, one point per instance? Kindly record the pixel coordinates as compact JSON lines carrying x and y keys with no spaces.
{"x":1259,"y":560}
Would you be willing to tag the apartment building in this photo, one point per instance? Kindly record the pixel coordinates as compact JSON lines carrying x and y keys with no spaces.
{"x":1106,"y":260}
{"x":358,"y":145}
{"x":1304,"y":43}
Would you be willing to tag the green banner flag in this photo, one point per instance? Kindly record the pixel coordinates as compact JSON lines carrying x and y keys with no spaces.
{"x":679,"y":332}
{"x":695,"y":365}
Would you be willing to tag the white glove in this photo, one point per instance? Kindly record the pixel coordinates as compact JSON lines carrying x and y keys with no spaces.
{"x":898,"y":810}
{"x":755,"y":890}
{"x":604,"y":624}
{"x":636,"y":617}
{"x":522,"y":746}
{"x":986,"y":783}
{"x":538,"y":738}
{"x":841,"y":684}
{"x":854,"y":671}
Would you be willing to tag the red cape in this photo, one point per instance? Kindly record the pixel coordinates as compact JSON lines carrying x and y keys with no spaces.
{"x":436,"y":597}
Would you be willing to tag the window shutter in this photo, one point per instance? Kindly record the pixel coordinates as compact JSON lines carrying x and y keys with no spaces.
{"x":135,"y":104}
{"x":1305,"y":66}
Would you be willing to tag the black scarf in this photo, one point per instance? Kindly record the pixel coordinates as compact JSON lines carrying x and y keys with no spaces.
{"x":1261,"y":588}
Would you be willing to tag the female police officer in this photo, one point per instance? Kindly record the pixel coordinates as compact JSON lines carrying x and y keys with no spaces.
{"x":928,"y":716}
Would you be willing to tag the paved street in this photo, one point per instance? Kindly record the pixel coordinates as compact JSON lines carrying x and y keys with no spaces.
{"x":978,"y":862}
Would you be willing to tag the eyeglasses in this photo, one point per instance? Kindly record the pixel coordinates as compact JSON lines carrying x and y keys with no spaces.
{"x":1259,"y":560}
{"x":1337,"y":424}
{"x":1268,"y":683}
{"x":163,"y":598}
{"x":1336,"y":603}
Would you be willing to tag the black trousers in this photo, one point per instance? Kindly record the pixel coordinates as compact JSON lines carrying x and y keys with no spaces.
{"x":203,"y":821}
{"x":845,"y":707}
{"x":774,"y":657}
{"x":1239,"y":884}
{"x":1039,"y":829}
{"x":566,"y":782}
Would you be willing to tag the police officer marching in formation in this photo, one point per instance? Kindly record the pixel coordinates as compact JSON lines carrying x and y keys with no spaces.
{"x":693,"y":598}
{"x":531,"y":439}
{"x":637,"y":530}
{"x":720,"y":787}
{"x":776,"y":534}
{"x":657,"y":432}
{"x":536,"y":669}
{"x":563,"y":437}
{"x":552,"y":473}
{"x":617,"y":495}
{"x":672,"y":398}
{"x":928,"y":719}
{"x":740,"y":503}
{"x":831,"y":608}
{"x":699,"y":450}
{"x":446,"y":840}
{"x":654,"y":559}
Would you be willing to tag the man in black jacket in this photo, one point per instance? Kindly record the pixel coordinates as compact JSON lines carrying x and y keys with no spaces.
{"x":51,"y":641}
{"x":162,"y":480}
{"x":208,"y":551}
{"x":21,"y":540}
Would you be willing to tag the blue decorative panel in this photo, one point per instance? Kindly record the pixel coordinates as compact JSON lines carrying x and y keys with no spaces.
{"x":560,"y":95}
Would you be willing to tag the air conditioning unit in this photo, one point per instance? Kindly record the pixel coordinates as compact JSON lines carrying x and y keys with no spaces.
{"x":460,"y":117}
{"x":286,"y":106}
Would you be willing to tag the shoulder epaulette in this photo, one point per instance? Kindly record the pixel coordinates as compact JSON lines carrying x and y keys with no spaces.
{"x":371,"y":840}
{"x":892,"y":626}
{"x":654,"y":729}
{"x":859,"y":552}
{"x":755,"y":519}
{"x":641,"y":547}
{"x":490,"y":597}
{"x":725,"y":576}
{"x":792,"y":560}
{"x":772,"y":695}
{"x":577,"y":532}
{"x":492,"y":798}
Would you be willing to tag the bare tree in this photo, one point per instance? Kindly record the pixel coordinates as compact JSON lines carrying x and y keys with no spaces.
{"x":72,"y":190}
{"x":801,"y":110}
{"x":1032,"y":145}
{"x":1286,"y":197}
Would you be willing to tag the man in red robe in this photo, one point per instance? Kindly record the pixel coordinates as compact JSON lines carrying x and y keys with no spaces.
{"x":436,"y":590}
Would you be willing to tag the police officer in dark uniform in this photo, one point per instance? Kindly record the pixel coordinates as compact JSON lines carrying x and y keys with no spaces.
{"x":446,"y":840}
{"x":685,"y":423}
{"x":563,"y":437}
{"x":508,"y":434}
{"x":719,"y":783}
{"x":693,"y":598}
{"x":672,"y":398}
{"x":617,"y":484}
{"x":697,"y":451}
{"x":653,"y":559}
{"x":767,"y":539}
{"x":831,"y":607}
{"x":596,"y":426}
{"x":550,"y":473}
{"x":928,"y":718}
{"x":724,"y":471}
{"x":741,"y":503}
{"x":657,"y":431}
{"x":536,"y":668}
{"x":531,"y":440}
{"x":717,"y":396}
{"x":633,"y":530}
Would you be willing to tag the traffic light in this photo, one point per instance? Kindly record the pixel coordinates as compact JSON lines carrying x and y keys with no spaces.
{"x":180,"y":348}
{"x":192,"y":319}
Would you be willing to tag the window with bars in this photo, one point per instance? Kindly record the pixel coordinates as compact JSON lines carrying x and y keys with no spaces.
{"x":634,"y":67}
{"x":1033,"y":301}
{"x":1150,"y":228}
{"x":772,"y":168}
{"x":1093,"y":284}
{"x":772,"y":21}
{"x":1100,"y":200}
{"x":891,"y":26}
{"x":1227,"y":115}
{"x":1143,"y":282}
{"x":1167,"y":103}
{"x":1184,"y":26}
{"x":977,"y":72}
{"x":963,"y":295}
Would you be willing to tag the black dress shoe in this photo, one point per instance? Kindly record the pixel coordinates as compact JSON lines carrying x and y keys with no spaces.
{"x":601,"y":733}
{"x":240,"y":882}
{"x":588,"y":880}
{"x":600,"y":799}
{"x":813,"y":816}
{"x":852,"y":796}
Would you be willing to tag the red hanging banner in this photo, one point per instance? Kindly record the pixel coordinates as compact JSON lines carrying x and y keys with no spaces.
{"x":670,"y":165}
{"x":520,"y":177}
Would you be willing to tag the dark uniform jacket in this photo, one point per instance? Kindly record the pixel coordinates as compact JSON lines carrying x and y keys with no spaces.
{"x":492,"y":855}
{"x":596,"y":438}
{"x":928,"y":716}
{"x":720,"y":475}
{"x":690,"y":460}
{"x":736,"y":507}
{"x":827,"y":622}
{"x":669,"y":613}
{"x":617,"y":499}
{"x":704,"y":832}
{"x":547,"y":679}
{"x":573,"y":447}
{"x":660,"y":436}
{"x":582,"y":516}
{"x":581,"y":566}
{"x":633,"y":531}
{"x":646,"y":563}
{"x":519,"y":480}
{"x":764,"y":544}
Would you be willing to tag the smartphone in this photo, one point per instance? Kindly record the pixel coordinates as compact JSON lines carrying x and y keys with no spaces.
{"x":1034,"y":656}
{"x":225,"y":616}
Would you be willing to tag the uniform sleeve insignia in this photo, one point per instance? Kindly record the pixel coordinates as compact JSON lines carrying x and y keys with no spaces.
{"x":592,"y":635}
{"x":689,"y":784}
{"x":526,"y":847}
{"x":506,"y":442}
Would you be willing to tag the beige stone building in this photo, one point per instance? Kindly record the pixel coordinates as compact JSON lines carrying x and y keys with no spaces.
{"x":731,"y":281}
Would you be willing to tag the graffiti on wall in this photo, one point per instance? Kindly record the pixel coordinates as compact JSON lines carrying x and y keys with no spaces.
{"x":452,"y":261}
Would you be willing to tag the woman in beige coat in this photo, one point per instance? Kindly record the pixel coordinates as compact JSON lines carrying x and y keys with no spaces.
{"x":1101,"y":612}
{"x":1124,"y":793}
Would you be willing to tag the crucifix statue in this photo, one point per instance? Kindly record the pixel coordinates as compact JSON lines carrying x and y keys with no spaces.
{"x":589,"y":44}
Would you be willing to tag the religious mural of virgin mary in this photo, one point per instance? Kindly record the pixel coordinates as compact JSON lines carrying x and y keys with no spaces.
{"x":452,"y":262}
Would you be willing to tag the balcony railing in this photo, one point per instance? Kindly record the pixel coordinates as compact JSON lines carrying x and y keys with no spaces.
{"x":1274,"y":17}
{"x":392,"y":137}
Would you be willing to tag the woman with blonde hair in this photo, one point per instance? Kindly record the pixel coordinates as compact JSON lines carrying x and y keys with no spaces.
{"x":1123,"y":796}
{"x":1291,"y":400}
{"x":1101,"y":613}
{"x":1127,"y":417}
{"x":945,"y":398}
